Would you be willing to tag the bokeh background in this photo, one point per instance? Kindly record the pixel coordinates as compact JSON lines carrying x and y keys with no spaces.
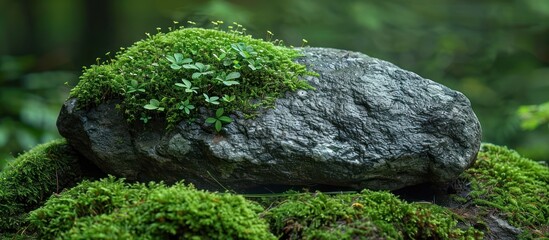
{"x":495,"y":52}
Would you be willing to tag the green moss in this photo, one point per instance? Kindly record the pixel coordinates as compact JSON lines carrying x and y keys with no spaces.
{"x":146,"y":71}
{"x":31,"y":178}
{"x":366,"y":215}
{"x":112,"y":209}
{"x":515,"y":187}
{"x":503,"y":182}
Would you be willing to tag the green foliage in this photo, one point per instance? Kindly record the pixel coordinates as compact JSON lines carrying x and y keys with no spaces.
{"x":31,"y":178}
{"x":367,"y":215}
{"x":113,"y":209}
{"x":533,"y":116}
{"x":230,"y":70}
{"x":219,"y":119}
{"x":154,"y":105}
{"x":516,"y":187}
{"x":503,"y":182}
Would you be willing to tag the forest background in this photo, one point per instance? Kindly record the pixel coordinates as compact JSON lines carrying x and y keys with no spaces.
{"x":495,"y":52}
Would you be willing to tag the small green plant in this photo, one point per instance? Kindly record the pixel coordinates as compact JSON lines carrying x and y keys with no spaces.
{"x":228,"y":98}
{"x":212,"y":100}
{"x":177,"y":61}
{"x":135,"y":86}
{"x":219,"y":119}
{"x":154,"y":105}
{"x":186,"y":106}
{"x":171,"y":74}
{"x":202,"y":70}
{"x":228,"y":79}
{"x":145,"y":119}
{"x":187,"y":85}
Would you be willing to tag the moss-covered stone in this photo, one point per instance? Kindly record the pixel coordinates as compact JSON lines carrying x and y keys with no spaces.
{"x":176,"y":74}
{"x":31,"y":178}
{"x":112,"y":209}
{"x":515,"y":187}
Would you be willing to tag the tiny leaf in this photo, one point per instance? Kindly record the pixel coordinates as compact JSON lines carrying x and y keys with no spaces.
{"x":230,"y":83}
{"x":225,"y":119}
{"x":178,"y":57}
{"x":196,"y":75}
{"x":232,"y":75}
{"x":150,"y":107}
{"x":200,"y":66}
{"x":187,"y":82}
{"x":190,"y":66}
{"x":218,"y":126}
{"x":219,"y":112}
{"x":211,"y":120}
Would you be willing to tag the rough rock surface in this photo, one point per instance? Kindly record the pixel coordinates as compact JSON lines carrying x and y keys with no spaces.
{"x":368,"y":124}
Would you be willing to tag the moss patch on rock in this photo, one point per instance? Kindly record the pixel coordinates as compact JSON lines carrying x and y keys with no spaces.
{"x":191,"y":72}
{"x":31,"y":178}
{"x":514,"y":187}
{"x":112,"y":209}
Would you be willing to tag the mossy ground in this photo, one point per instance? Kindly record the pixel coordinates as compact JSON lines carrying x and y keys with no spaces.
{"x":33,"y":177}
{"x":507,"y":184}
{"x":112,"y":209}
{"x":502,"y":183}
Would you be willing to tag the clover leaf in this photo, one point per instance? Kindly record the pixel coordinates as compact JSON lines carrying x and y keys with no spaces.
{"x":134,"y":86}
{"x":186,"y":106}
{"x":203,"y":69}
{"x":228,"y":79}
{"x":187,"y":85}
{"x":178,"y":61}
{"x":154,"y":105}
{"x":228,"y":98}
{"x":219,"y":119}
{"x":212,"y":100}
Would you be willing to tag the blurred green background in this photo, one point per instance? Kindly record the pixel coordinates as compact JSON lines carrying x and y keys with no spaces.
{"x":495,"y":52}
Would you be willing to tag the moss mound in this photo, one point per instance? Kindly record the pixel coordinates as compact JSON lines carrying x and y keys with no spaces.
{"x":502,"y":182}
{"x":515,"y":187}
{"x":31,"y":178}
{"x":112,"y":209}
{"x":176,"y":74}
{"x":367,"y":215}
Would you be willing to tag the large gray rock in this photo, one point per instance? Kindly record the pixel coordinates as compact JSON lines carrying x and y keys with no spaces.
{"x":368,"y":124}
